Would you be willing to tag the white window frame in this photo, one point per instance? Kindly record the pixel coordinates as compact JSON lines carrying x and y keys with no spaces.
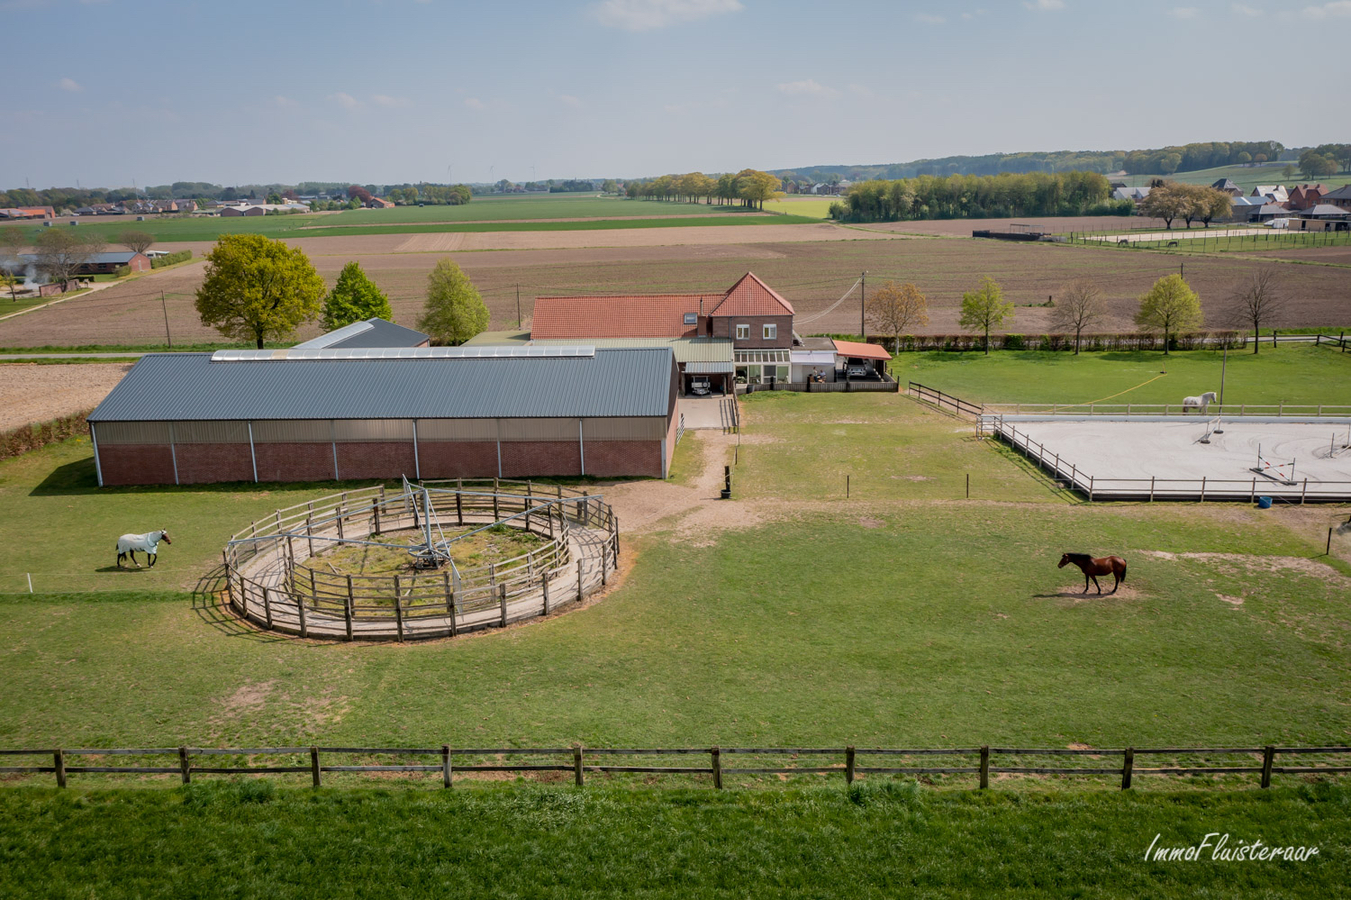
{"x":770,"y":332}
{"x":743,"y":331}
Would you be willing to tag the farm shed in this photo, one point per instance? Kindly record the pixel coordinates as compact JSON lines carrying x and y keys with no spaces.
{"x":427,"y":412}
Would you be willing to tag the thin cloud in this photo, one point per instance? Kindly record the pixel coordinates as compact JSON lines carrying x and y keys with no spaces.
{"x":284,"y":102}
{"x":475,"y":103}
{"x":808,"y":87}
{"x":1185,"y":12}
{"x":1338,"y":9}
{"x":645,"y":15}
{"x":929,"y":19}
{"x":347,"y":101}
{"x":392,"y":102}
{"x":70,"y":84}
{"x":569,"y":100}
{"x":1045,"y":5}
{"x":1249,"y":11}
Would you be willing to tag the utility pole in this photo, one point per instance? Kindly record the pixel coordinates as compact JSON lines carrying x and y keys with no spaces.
{"x":518,"y":307}
{"x":1182,"y":270}
{"x":165,"y":306}
{"x":863,"y":305}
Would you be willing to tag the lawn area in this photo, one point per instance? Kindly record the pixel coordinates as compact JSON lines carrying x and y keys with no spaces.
{"x":1288,"y":373}
{"x":562,"y":843}
{"x":1246,"y":177}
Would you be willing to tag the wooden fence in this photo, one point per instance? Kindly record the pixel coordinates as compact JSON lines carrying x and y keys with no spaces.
{"x":943,"y":401}
{"x":849,"y":762}
{"x":269,"y":581}
{"x":886,"y":384}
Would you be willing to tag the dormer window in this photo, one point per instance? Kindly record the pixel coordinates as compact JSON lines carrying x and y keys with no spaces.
{"x":691,"y":318}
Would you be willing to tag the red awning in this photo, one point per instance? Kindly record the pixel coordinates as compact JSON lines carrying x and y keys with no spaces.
{"x":854,"y":350}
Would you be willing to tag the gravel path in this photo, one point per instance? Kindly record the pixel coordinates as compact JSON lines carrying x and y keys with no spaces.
{"x":32,"y":393}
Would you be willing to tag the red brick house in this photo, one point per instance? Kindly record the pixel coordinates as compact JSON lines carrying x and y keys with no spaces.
{"x":1306,"y":196}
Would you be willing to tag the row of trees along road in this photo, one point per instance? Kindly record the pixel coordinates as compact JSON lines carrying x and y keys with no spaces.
{"x":979,"y":196}
{"x":749,"y":187}
{"x":258,"y":289}
{"x":1169,"y":200}
{"x":1170,"y":307}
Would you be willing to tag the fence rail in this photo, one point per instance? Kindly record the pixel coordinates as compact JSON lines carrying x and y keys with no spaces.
{"x":850,"y":762}
{"x":886,"y":384}
{"x":1275,"y":410}
{"x":943,"y":401}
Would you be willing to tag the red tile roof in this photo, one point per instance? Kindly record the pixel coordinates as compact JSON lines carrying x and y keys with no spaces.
{"x":752,"y":297}
{"x":855,"y":350}
{"x":618,"y":316}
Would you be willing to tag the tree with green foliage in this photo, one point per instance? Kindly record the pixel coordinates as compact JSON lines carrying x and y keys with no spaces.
{"x":258,"y":289}
{"x":755,"y":187}
{"x":894,"y":309}
{"x":1168,"y":201}
{"x":1313,"y":164}
{"x":1170,"y":307}
{"x":136,"y":241}
{"x":354,"y":298}
{"x":454,"y":312}
{"x":985,"y":308}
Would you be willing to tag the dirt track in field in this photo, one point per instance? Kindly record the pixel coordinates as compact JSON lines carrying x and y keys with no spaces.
{"x":813,"y":274}
{"x":31,"y":393}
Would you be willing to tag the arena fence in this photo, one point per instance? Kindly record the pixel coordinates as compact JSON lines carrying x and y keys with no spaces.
{"x":719,"y":763}
{"x":943,"y":401}
{"x":275,"y":575}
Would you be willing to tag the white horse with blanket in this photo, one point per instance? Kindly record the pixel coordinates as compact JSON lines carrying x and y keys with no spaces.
{"x":1198,"y":404}
{"x":147,"y":543}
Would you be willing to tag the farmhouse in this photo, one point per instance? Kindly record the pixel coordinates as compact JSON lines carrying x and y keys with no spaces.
{"x":100,"y":263}
{"x":427,"y":412}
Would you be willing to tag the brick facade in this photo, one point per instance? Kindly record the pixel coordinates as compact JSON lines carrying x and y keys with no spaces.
{"x":375,"y":459}
{"x":208,"y":463}
{"x":457,"y":459}
{"x":294,"y":462}
{"x":725,"y":327}
{"x":136,"y":464}
{"x":608,"y":459}
{"x":525,"y":459}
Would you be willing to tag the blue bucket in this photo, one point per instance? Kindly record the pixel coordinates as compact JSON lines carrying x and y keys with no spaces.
{"x":1264,"y":503}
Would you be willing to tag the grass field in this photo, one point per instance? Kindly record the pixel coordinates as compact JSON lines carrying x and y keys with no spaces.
{"x":1288,"y":373}
{"x":556,"y":843}
{"x":816,"y":207}
{"x":1246,"y":177}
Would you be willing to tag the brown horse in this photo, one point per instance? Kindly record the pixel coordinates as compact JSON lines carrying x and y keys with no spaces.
{"x":1093,"y":567}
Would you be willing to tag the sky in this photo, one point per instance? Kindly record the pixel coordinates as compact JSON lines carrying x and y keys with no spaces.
{"x":112,"y":93}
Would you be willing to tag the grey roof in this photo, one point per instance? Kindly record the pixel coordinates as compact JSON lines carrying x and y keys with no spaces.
{"x":1325,"y":209}
{"x":113,"y":256}
{"x":1342,"y":193}
{"x":687,"y":350}
{"x":374,"y":332}
{"x":194,"y":387}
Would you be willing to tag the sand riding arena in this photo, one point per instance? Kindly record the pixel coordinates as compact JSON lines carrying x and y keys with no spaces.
{"x":430,"y":560}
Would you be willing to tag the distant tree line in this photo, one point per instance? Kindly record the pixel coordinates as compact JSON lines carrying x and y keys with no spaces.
{"x":749,"y":188}
{"x":979,"y":196}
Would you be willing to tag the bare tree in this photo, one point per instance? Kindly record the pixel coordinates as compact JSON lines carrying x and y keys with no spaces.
{"x":61,"y":254}
{"x":895,"y":308}
{"x":12,"y":242}
{"x":1257,"y":300}
{"x":136,"y":241}
{"x":1080,"y":305}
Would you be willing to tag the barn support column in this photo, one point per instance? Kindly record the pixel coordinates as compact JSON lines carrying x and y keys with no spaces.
{"x":173,"y":452}
{"x":581,"y":445}
{"x":333,"y":431}
{"x":417,"y":465}
{"x":97,"y":466}
{"x":499,"y":447}
{"x":253,"y":456}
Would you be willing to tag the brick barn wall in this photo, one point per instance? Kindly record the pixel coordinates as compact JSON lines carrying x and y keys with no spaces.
{"x":612,"y":459}
{"x":206,"y":463}
{"x":526,"y":459}
{"x":294,"y":462}
{"x":136,"y":464}
{"x":375,"y":459}
{"x":457,"y":459}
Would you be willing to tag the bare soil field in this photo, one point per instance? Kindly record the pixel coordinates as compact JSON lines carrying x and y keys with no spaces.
{"x":619,"y":237}
{"x":31,"y":393}
{"x":1053,"y":225}
{"x":811,"y":274}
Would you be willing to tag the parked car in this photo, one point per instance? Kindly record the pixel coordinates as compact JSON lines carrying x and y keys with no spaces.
{"x":857,"y":372}
{"x":700,"y":387}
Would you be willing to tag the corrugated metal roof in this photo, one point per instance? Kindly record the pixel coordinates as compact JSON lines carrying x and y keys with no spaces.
{"x":710,"y":368}
{"x":374,"y":332}
{"x":191,"y":387}
{"x":478,"y":351}
{"x":687,"y":350}
{"x":813,"y":357}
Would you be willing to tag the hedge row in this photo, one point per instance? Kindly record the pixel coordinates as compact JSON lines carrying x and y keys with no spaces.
{"x":160,"y":262}
{"x":1123,"y":341}
{"x":34,"y":437}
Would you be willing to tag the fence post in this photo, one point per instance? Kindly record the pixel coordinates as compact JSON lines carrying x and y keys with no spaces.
{"x":578,"y":776}
{"x":984,"y":767}
{"x":375,"y":506}
{"x":1252,"y":495}
{"x":445,"y":765}
{"x":183,"y":765}
{"x":1268,"y":757}
{"x":450,"y":602}
{"x":848,"y":765}
{"x":716,"y":755}
{"x":1127,"y":768}
{"x":300,"y":606}
{"x":1151,"y":488}
{"x":459,"y":502}
{"x":579,"y":581}
{"x":1203,"y":489}
{"x":229,"y":585}
{"x":605,"y":561}
{"x":1090,"y":488}
{"x":1303,"y":491}
{"x":544,"y":585}
{"x":496,"y":514}
{"x":267,"y":608}
{"x":502,"y":593}
{"x":347,"y":607}
{"x":314,"y":765}
{"x":398,"y":607}
{"x":59,"y":759}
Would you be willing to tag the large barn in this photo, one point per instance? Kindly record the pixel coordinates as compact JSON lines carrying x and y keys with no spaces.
{"x":427,"y":412}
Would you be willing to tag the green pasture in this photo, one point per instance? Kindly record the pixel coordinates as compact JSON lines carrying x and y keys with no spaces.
{"x":1256,"y":241}
{"x":1287,"y":373}
{"x":816,"y":207}
{"x":250,"y":839}
{"x":1246,"y":177}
